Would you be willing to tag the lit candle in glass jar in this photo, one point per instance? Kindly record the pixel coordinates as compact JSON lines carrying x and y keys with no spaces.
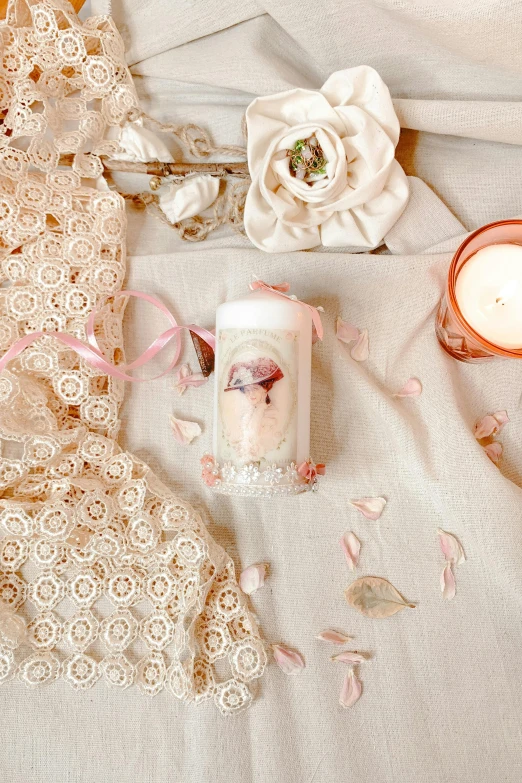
{"x":480,"y":314}
{"x":489,"y":294}
{"x":261,"y":437}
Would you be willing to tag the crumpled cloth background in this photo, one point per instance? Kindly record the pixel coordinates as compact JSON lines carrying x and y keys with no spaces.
{"x":442,"y":701}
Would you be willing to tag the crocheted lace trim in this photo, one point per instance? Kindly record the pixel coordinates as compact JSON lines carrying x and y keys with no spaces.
{"x":114,"y":576}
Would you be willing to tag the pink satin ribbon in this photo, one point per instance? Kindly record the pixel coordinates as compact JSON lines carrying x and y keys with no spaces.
{"x":280,"y":290}
{"x":93,"y":355}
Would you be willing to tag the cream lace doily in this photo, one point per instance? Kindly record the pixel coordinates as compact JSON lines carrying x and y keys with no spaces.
{"x":113,"y":575}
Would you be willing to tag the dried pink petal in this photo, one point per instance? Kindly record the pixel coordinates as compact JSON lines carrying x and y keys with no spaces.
{"x":486,"y":427}
{"x":502,"y":417}
{"x":371,"y":508}
{"x":346,"y":333}
{"x":490,"y":424}
{"x":361,"y":349}
{"x":183,"y":372}
{"x":351,"y":690}
{"x":289,"y":661}
{"x":185,"y":378}
{"x":184,"y":431}
{"x":494,"y":451}
{"x":333,"y":637}
{"x":253,"y":578}
{"x":349,"y":657}
{"x":451,"y":547}
{"x":447,"y":583}
{"x":351,"y":547}
{"x":412,"y":388}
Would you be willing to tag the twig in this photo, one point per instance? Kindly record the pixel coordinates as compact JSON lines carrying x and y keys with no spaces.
{"x":157,"y":169}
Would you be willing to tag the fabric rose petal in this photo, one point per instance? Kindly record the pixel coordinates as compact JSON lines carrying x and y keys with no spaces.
{"x":363,"y":190}
{"x":139,"y":144}
{"x":190,"y":198}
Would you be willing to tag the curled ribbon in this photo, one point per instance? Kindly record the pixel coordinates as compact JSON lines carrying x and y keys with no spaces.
{"x":93,"y":355}
{"x":281,"y":290}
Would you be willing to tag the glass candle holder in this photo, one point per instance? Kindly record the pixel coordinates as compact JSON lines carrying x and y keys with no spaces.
{"x":455,"y":334}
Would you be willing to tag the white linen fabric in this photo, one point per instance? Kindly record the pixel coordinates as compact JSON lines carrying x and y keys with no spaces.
{"x":363,"y":190}
{"x":442,"y":700}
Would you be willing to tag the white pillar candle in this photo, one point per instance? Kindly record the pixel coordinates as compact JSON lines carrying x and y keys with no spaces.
{"x":262,"y":394}
{"x":488,"y":290}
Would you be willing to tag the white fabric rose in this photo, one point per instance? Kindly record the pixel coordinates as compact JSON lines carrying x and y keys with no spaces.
{"x":364,"y":189}
{"x":191,"y":197}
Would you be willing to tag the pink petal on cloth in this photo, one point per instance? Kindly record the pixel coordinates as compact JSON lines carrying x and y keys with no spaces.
{"x":183,"y":372}
{"x":349,"y":657}
{"x":361,"y":349}
{"x":351,"y":690}
{"x":351,"y":547}
{"x":490,"y":424}
{"x":502,"y":417}
{"x":447,"y":583}
{"x":185,"y":378}
{"x":333,"y":637}
{"x":289,"y":661}
{"x":494,"y":451}
{"x":253,"y":578}
{"x":371,"y":508}
{"x":346,"y":333}
{"x":412,"y":388}
{"x":451,"y":547}
{"x":184,"y":431}
{"x":486,"y":427}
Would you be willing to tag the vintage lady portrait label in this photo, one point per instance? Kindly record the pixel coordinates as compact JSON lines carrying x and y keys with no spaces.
{"x":257,"y":396}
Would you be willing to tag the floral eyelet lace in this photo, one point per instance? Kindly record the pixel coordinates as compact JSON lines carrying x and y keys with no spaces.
{"x":115,"y":577}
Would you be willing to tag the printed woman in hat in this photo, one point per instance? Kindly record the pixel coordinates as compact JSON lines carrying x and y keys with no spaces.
{"x":258,"y":430}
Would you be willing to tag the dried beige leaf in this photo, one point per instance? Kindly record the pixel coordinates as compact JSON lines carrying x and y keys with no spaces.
{"x":184,"y":431}
{"x":289,"y":661}
{"x":412,"y":388}
{"x":348,"y":656}
{"x":253,"y":578}
{"x":371,"y":508}
{"x":333,"y":637}
{"x":375,"y":597}
{"x":447,"y":583}
{"x":351,"y":690}
{"x":361,"y":349}
{"x":451,"y":547}
{"x":346,"y":333}
{"x":351,"y":547}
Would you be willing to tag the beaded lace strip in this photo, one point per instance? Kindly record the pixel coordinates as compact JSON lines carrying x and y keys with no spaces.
{"x":114,"y":576}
